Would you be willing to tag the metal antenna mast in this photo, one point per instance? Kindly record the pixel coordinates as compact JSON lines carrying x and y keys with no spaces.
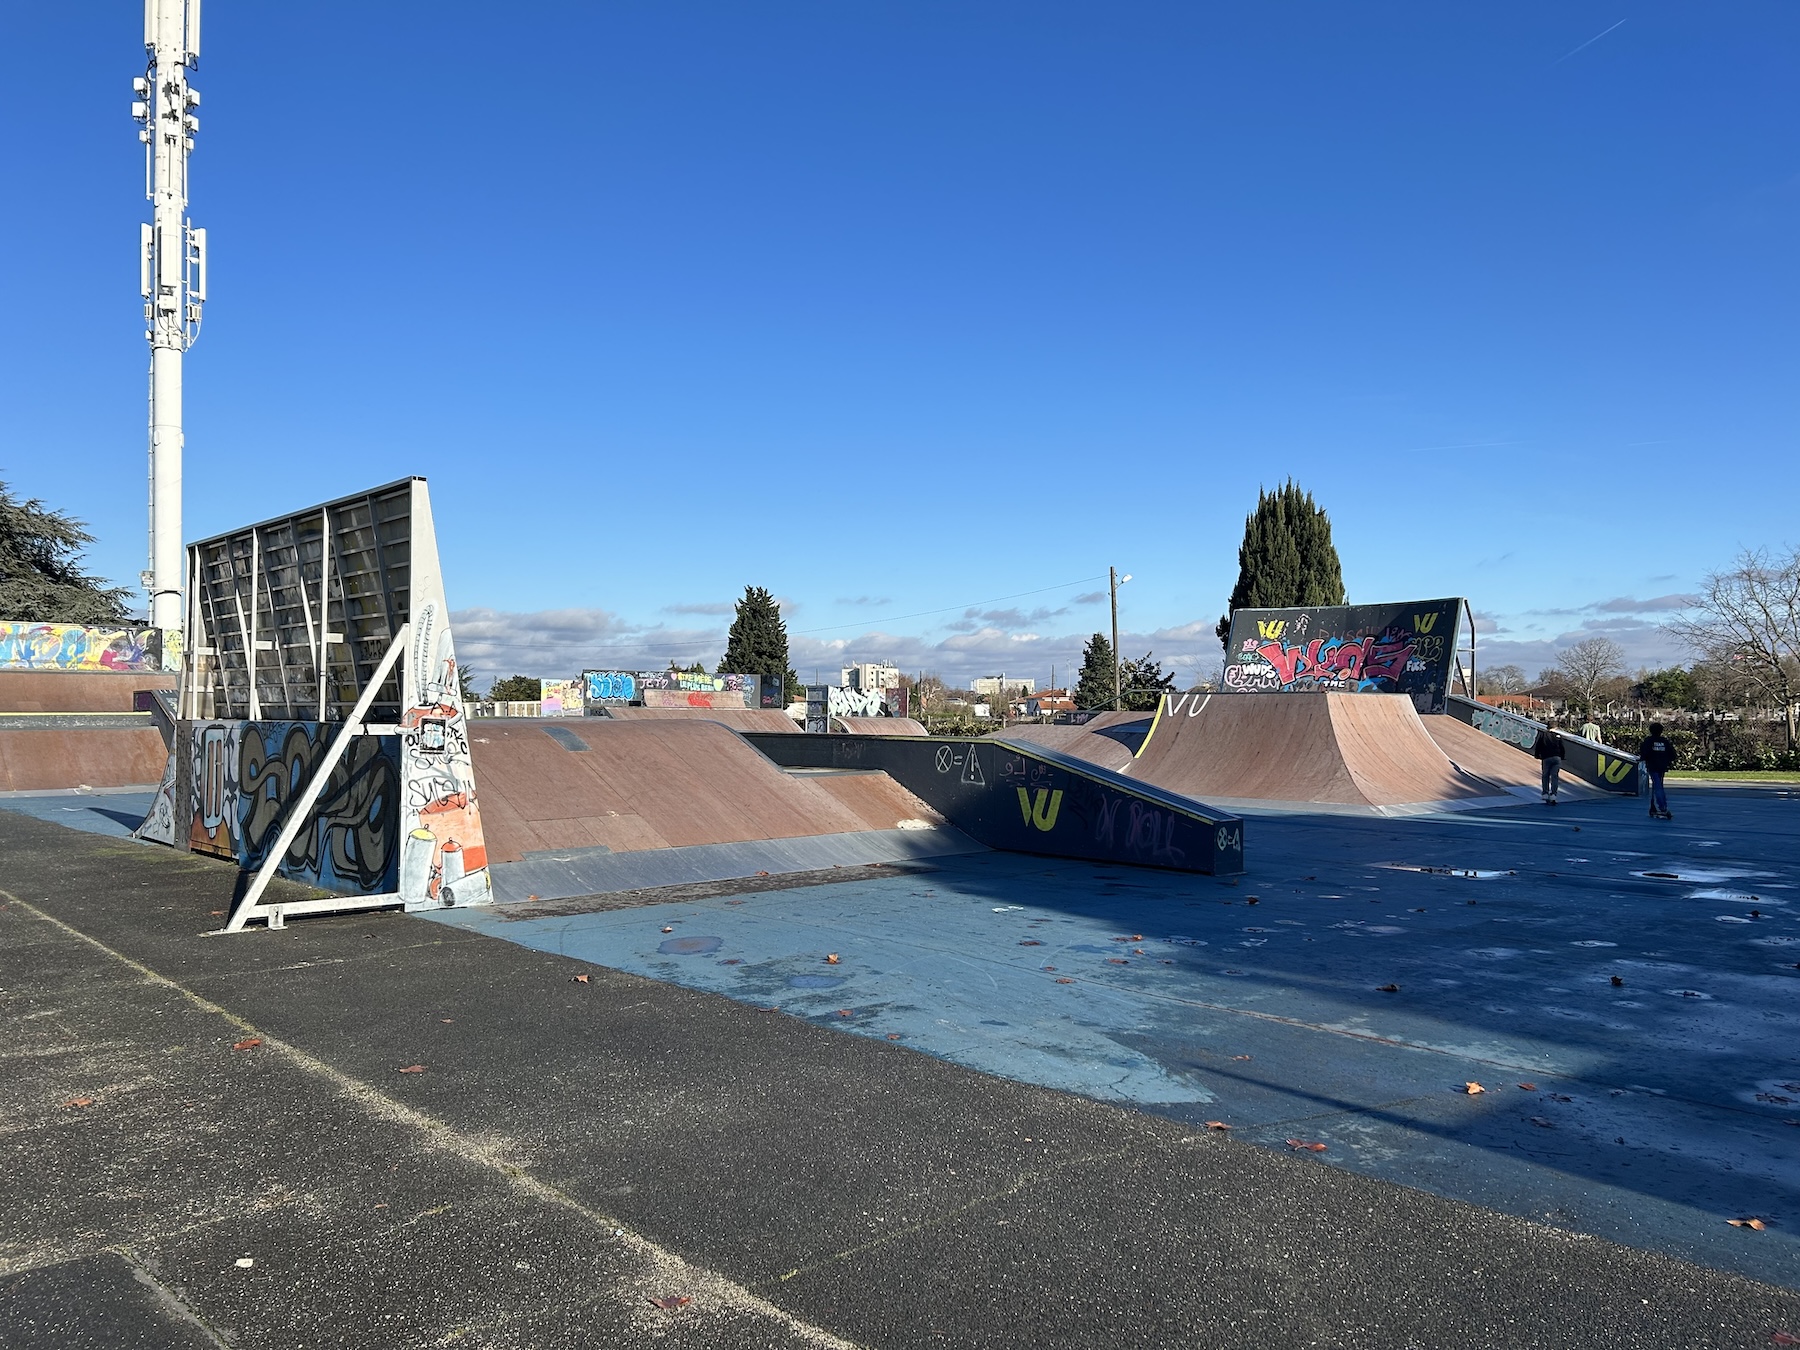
{"x":172,"y":274}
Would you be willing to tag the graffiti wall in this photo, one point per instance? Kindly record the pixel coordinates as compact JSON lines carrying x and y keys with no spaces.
{"x":609,"y":686}
{"x":561,"y":698}
{"x":1403,"y":648}
{"x":671,"y":689}
{"x":826,"y":701}
{"x":675,"y":698}
{"x":1597,"y":765}
{"x":68,"y":646}
{"x":443,"y":859}
{"x":240,"y":778}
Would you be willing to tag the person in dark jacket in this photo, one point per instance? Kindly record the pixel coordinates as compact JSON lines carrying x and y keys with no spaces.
{"x":1657,"y":754}
{"x":1549,"y":747}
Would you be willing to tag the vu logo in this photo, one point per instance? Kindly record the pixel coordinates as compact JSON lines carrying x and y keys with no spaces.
{"x":1614,"y":770}
{"x":1271,"y":628}
{"x":1424,"y":623}
{"x":1042,"y":812}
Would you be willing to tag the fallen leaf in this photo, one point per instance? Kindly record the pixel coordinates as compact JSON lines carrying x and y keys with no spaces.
{"x":1617,"y":982}
{"x":248,"y":1043}
{"x":843,"y":1012}
{"x":1543,"y":1124}
{"x":668,"y":929}
{"x":674,"y":1301}
{"x":831,"y":958}
{"x":531,"y":897}
{"x":1064,"y":979}
{"x":1031,"y":942}
{"x":893,"y":1035}
{"x":1306,"y":1146}
{"x":1387,"y":988}
{"x":771,"y":1009}
{"x":582,"y":979}
{"x":1528,"y":1087}
{"x":1472,"y":1088}
{"x":762,"y":874}
{"x":1217,"y":1125}
{"x":1240,"y":1056}
{"x":1117,"y":961}
{"x":413,"y":1068}
{"x":1137,"y":937}
{"x":79,"y":1101}
{"x":1251,"y":900}
{"x":446,"y":1019}
{"x":217,"y":913}
{"x":1757,"y":1224}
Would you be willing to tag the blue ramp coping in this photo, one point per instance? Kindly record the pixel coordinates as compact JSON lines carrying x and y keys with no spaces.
{"x":1033,"y":799}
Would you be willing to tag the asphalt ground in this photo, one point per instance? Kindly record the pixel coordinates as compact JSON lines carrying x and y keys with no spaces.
{"x":569,"y":1151}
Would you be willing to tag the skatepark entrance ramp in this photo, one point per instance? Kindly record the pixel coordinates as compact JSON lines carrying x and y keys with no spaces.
{"x":1034,"y":799}
{"x":1320,"y":751}
{"x":1109,"y":740}
{"x":1598,"y":766}
{"x":596,"y":805}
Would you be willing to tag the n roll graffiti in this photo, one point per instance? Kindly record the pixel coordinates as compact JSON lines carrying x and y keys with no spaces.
{"x":1334,"y":663}
{"x":1401,"y":648}
{"x":68,"y":646}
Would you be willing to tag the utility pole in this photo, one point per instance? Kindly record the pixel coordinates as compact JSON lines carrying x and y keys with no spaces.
{"x":171,"y":272}
{"x":1116,"y":581}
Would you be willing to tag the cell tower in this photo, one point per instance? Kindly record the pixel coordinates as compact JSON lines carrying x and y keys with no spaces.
{"x":172,"y":275}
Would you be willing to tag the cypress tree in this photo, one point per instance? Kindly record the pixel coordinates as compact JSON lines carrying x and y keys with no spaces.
{"x":41,"y":580}
{"x":1094,"y":687}
{"x":1287,"y":557}
{"x":758,"y":643}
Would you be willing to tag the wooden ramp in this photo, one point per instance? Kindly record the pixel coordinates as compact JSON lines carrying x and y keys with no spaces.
{"x":880,"y":726}
{"x":1326,"y":751}
{"x":738,"y":719}
{"x":54,"y":759}
{"x":1110,"y":740}
{"x":1495,"y":760}
{"x":593,"y":805}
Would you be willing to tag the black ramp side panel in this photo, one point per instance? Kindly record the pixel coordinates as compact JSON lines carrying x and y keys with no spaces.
{"x":1596,"y":765}
{"x":1032,"y":799}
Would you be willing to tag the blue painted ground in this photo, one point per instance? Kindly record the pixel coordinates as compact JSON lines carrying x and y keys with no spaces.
{"x":99,"y":811}
{"x":1650,"y":1111}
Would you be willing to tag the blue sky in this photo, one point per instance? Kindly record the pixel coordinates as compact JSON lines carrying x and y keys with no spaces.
{"x":908,"y":307}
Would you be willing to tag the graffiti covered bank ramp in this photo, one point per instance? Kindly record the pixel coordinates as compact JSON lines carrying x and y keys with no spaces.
{"x":1354,"y":753}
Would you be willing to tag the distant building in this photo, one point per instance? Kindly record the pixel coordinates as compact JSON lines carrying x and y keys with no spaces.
{"x":996,"y":686}
{"x":1047,"y":704}
{"x":870,"y":676}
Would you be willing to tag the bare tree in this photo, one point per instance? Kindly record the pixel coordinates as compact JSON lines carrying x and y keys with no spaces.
{"x":1502,"y":680}
{"x":1747,"y":621}
{"x":1587,"y":665}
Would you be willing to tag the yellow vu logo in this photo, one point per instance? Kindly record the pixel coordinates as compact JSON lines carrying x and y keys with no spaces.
{"x":1614,"y":770}
{"x":1424,"y":623}
{"x":1271,"y":628}
{"x":1042,"y":812}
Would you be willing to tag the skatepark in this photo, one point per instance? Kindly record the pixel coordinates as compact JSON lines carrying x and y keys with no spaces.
{"x":1319,"y":931}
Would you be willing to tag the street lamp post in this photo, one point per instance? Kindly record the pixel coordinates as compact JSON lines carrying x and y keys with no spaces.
{"x":1116,"y":581}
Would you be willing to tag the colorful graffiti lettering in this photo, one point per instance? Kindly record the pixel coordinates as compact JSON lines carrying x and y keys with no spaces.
{"x":72,"y":647}
{"x":610,"y":686}
{"x":1340,"y":663}
{"x":560,"y":698}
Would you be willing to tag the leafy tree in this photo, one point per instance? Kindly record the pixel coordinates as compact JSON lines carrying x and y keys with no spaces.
{"x":1501,"y":680}
{"x":1094,"y":686}
{"x":41,"y":580}
{"x":758,"y":643}
{"x":1747,"y":622}
{"x":1587,"y":665}
{"x":1671,"y":688}
{"x":465,"y":682}
{"x":517,"y":689}
{"x":1287,"y":557}
{"x":1142,"y":684}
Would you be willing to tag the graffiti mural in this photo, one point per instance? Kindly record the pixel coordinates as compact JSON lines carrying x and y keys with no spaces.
{"x":443,"y":858}
{"x":72,"y":647}
{"x":689,"y":682}
{"x":159,"y":823}
{"x":609,"y":686}
{"x":675,"y":698}
{"x":560,"y":698}
{"x":242,"y":778}
{"x":1405,"y":648}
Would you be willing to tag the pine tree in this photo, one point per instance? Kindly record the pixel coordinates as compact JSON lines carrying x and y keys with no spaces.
{"x":758,"y":643}
{"x":1094,"y":687}
{"x":1142,"y":684}
{"x":1287,"y":557}
{"x":41,"y":580}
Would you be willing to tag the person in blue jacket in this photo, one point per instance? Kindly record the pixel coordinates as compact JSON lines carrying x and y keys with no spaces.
{"x":1656,"y":752}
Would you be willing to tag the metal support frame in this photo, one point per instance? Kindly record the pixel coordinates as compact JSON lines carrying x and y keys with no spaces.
{"x":1467,"y":678}
{"x":302,"y":807}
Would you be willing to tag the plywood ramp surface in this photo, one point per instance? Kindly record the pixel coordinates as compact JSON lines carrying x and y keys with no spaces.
{"x":49,"y":691}
{"x":1085,"y":741}
{"x":1369,"y":750}
{"x":38,"y":761}
{"x":1494,"y":759}
{"x":882,"y":726}
{"x":645,"y":784}
{"x":880,"y":802}
{"x":738,"y":719}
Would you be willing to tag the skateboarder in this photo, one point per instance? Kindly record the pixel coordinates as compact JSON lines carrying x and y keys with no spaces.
{"x":1549,"y":747}
{"x":1657,"y":754}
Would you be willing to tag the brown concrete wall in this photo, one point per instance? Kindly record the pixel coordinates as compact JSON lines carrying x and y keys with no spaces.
{"x":99,"y":757}
{"x":74,"y":691}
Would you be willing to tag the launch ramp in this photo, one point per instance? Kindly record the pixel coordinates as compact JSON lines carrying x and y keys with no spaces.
{"x":597,"y":805}
{"x":1109,"y":740}
{"x":1334,"y":752}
